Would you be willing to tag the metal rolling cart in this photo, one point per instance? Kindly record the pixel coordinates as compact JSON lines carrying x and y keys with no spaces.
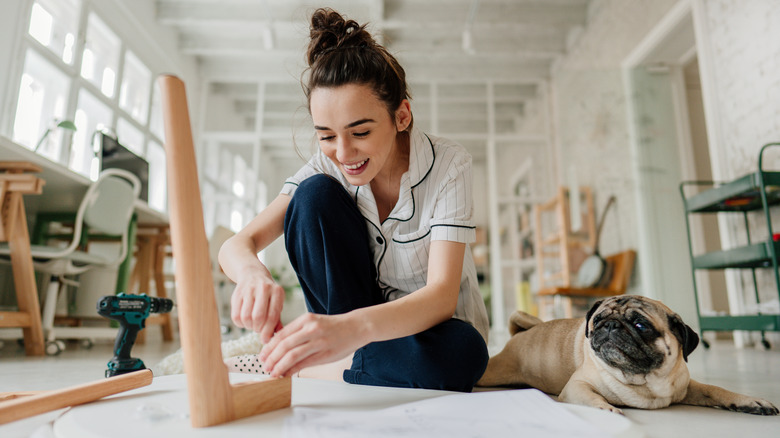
{"x":753,"y":192}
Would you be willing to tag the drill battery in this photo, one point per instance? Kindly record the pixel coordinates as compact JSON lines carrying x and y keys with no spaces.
{"x":130,"y":311}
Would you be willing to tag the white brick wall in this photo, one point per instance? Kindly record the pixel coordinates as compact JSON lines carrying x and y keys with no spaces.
{"x":745,"y":42}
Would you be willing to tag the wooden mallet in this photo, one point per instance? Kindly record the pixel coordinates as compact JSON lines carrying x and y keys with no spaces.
{"x":213,"y":400}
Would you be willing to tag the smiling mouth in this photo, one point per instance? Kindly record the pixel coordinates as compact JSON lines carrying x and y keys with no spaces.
{"x":355,"y":167}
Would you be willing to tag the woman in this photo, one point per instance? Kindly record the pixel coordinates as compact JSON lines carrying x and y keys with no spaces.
{"x":376,"y":227}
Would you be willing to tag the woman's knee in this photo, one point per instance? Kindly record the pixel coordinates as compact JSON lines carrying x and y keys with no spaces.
{"x":320,"y":199}
{"x":450,"y":356}
{"x":319,"y":191}
{"x":459,"y":358}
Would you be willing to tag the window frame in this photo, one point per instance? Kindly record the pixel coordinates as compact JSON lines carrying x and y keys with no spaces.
{"x":26,"y":43}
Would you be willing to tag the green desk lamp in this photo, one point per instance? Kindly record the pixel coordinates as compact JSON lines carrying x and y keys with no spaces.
{"x":65,"y":124}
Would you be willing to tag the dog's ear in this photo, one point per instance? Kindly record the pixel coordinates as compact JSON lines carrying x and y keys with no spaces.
{"x":590,"y":313}
{"x":685,"y":335}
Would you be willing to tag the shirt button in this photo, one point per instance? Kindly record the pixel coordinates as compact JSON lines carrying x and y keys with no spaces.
{"x":379,"y":240}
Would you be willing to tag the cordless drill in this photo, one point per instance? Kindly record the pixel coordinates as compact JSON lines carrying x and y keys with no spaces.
{"x":131,"y":312}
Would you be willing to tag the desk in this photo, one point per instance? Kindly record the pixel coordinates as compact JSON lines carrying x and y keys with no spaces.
{"x":17,"y":179}
{"x":64,"y":188}
{"x":64,"y":191}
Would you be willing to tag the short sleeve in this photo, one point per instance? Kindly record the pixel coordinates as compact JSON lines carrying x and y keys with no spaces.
{"x":317,"y":164}
{"x":454,"y":210}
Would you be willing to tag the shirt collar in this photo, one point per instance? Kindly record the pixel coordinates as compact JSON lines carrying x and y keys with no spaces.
{"x":421,"y":159}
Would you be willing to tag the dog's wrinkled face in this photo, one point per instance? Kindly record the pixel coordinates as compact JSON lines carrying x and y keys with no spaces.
{"x":636,"y":334}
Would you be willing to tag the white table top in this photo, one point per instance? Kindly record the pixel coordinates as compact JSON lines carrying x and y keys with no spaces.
{"x":64,"y":188}
{"x":161,"y":410}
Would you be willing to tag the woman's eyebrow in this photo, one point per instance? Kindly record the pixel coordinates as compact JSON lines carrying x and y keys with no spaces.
{"x":350,"y":125}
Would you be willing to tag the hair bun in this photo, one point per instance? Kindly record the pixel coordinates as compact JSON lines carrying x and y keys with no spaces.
{"x":330,"y":31}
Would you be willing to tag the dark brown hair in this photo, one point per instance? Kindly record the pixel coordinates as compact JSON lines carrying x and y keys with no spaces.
{"x":343,"y":52}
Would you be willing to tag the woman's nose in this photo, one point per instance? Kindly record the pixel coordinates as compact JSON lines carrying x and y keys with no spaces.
{"x":344,"y":149}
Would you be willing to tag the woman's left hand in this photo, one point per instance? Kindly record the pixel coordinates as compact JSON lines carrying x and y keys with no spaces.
{"x":311,"y":339}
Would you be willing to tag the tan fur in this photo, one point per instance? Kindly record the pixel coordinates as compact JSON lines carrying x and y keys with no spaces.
{"x":556,"y":357}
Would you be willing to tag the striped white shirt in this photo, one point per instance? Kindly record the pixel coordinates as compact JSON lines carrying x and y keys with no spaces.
{"x":434,"y":203}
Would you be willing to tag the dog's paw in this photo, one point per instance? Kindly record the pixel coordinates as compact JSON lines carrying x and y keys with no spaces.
{"x":756,"y":407}
{"x":610,"y":408}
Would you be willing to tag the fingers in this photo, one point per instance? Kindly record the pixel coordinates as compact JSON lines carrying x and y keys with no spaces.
{"x":272,"y":316}
{"x":257,"y":314}
{"x":293,"y":360}
{"x":291,"y":345}
{"x":257,"y":305}
{"x":235,"y":307}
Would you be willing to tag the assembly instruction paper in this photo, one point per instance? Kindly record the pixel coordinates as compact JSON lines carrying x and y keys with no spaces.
{"x":525,"y":412}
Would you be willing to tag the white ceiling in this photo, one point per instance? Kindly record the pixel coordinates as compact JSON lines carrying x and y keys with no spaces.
{"x":460,"y":45}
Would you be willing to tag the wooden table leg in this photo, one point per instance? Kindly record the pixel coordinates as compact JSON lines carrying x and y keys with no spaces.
{"x":141,"y":275}
{"x":150,"y":257}
{"x":159,"y":281}
{"x":24,"y":276}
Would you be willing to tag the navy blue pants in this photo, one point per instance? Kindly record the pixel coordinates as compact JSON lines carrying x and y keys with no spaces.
{"x":327,"y":242}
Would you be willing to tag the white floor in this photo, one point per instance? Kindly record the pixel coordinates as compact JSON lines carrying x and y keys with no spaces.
{"x":751,"y":371}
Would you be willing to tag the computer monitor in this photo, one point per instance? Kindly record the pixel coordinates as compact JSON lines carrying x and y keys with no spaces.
{"x":114,"y":155}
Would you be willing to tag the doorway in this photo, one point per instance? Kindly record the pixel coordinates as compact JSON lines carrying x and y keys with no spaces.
{"x":669,"y":144}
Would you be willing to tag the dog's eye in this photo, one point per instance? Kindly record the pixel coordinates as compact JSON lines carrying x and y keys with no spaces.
{"x":641,"y":327}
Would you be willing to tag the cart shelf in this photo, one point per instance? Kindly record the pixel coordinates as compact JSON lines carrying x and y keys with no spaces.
{"x":757,"y":255}
{"x":743,"y":194}
{"x":740,"y":322}
{"x":756,"y":191}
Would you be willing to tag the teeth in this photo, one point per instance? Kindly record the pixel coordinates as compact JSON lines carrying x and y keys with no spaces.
{"x":355,"y":166}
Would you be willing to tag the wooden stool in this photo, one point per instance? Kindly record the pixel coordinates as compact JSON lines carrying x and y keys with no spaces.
{"x":14,"y":183}
{"x":213,"y":399}
{"x":621,"y":265}
{"x":560,"y":249}
{"x":152,"y":242}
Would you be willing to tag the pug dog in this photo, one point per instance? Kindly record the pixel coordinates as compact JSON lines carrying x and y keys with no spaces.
{"x":628,"y":351}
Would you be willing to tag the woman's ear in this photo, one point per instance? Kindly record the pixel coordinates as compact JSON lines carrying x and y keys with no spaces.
{"x":403,"y":116}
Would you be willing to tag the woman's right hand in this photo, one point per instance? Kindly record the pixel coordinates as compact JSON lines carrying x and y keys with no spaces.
{"x":257,"y":302}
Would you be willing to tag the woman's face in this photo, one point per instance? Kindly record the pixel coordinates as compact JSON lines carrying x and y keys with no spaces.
{"x":355,"y":130}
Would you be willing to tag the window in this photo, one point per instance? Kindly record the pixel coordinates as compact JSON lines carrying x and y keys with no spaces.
{"x":239,"y":168}
{"x":98,"y":82}
{"x":54,"y":24}
{"x":156,"y":123}
{"x":92,"y":116}
{"x":134,"y":94}
{"x":41,"y":104}
{"x":130,"y":136}
{"x":100,"y":61}
{"x":158,"y":197}
{"x":230,"y":186}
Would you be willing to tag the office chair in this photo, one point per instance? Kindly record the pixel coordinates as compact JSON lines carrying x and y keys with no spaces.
{"x":107,"y":207}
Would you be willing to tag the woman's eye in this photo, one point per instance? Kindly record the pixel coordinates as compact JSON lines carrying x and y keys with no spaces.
{"x":361,"y":134}
{"x":326,"y":138}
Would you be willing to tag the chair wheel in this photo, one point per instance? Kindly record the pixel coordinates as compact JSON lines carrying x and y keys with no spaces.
{"x":86,"y":344}
{"x":766,"y":344}
{"x":53,"y":348}
{"x":705,"y":344}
